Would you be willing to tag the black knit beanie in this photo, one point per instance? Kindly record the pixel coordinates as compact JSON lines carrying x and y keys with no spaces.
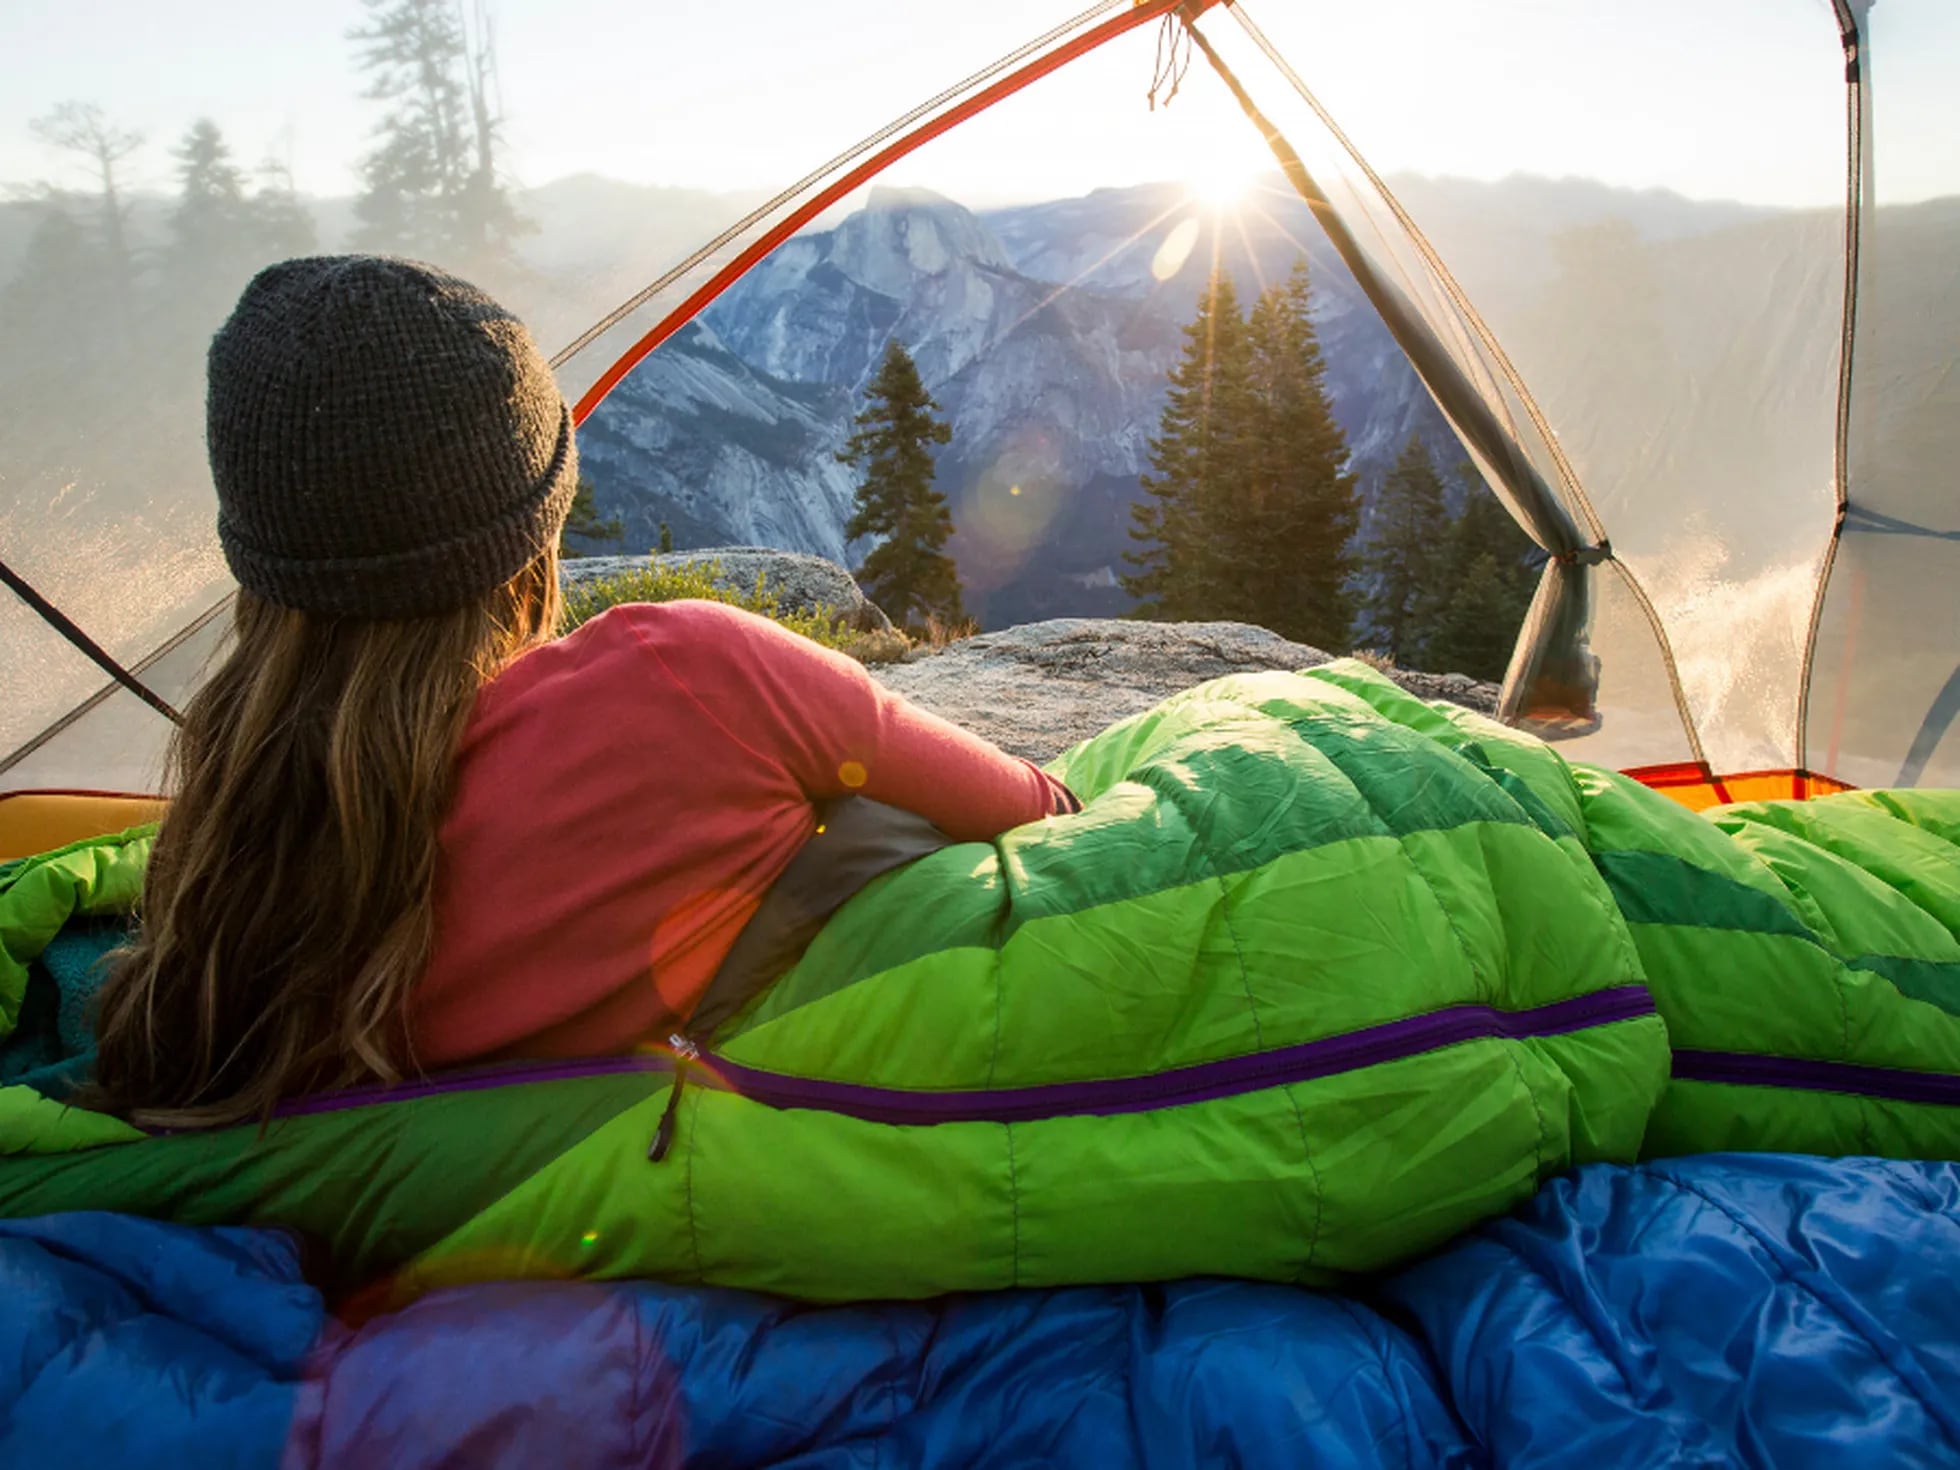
{"x":386,"y":440}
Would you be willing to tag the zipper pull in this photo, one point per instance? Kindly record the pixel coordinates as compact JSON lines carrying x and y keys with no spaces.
{"x":685,"y":1051}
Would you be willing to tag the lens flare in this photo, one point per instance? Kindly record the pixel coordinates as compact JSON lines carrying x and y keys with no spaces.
{"x":1176,"y":249}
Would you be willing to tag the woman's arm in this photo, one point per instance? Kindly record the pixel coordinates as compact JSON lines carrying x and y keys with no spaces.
{"x":838,"y":732}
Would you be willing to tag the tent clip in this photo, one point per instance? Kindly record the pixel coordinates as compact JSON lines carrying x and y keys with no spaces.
{"x":1853,"y":52}
{"x":1586,"y":556}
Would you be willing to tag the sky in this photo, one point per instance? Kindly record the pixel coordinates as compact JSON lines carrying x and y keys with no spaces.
{"x":1739,"y":99}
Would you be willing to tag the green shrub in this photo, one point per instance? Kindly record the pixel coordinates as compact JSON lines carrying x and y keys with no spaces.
{"x":585,"y":600}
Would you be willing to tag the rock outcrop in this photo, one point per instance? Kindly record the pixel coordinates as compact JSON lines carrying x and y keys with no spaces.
{"x":800,"y":582}
{"x":1036,"y":689}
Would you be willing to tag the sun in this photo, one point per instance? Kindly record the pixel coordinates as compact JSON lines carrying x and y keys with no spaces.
{"x":1221,"y":183}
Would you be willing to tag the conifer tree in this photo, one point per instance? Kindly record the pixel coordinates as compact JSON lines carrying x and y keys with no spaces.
{"x":1408,"y":555}
{"x":1199,"y":457}
{"x":82,"y":128}
{"x":209,"y":217}
{"x":1250,"y":508}
{"x":72,"y":315}
{"x":908,"y":573}
{"x":65,"y":339}
{"x":219,"y":234}
{"x":1477,"y":626}
{"x":1487,"y":589}
{"x":1289,"y":540}
{"x":1485,"y":527}
{"x":430,"y":182}
{"x":582,"y":521}
{"x":218,"y":229}
{"x":281,"y":224}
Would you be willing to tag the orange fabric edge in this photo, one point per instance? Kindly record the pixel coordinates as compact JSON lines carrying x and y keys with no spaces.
{"x":1698,"y":788}
{"x":40,"y":821}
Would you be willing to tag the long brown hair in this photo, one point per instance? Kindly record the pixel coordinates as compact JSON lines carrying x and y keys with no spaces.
{"x":287,"y":911}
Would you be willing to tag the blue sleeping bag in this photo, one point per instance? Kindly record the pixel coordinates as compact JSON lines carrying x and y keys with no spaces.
{"x":1724,"y":1310}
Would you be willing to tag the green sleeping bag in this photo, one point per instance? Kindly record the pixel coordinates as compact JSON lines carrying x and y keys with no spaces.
{"x":1320,"y":976}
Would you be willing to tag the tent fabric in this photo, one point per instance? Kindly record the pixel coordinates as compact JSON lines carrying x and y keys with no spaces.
{"x":1724,"y":1310}
{"x":1883,"y":688}
{"x":34,"y":822}
{"x":1698,"y":788}
{"x":1323,"y":972}
{"x":1760,"y":449}
{"x":1731,"y":497}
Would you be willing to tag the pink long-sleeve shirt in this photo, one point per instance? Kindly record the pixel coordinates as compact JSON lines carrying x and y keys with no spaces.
{"x":625,"y":796}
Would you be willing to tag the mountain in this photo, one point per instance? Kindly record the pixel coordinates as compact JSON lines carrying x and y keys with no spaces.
{"x":1051,"y":391}
{"x":1642,"y":320}
{"x":721,"y":451}
{"x":1045,"y":332}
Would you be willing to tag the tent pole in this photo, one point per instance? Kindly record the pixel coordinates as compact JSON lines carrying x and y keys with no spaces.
{"x":901,"y":142}
{"x":55,"y":618}
{"x":1560,"y":674}
{"x":1857,"y":126}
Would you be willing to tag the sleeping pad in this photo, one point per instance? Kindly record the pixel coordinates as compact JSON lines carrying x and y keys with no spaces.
{"x":1725,"y":1310}
{"x":1319,"y":977}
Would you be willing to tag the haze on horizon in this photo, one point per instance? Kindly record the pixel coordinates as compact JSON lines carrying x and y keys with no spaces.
{"x":1741,"y":101}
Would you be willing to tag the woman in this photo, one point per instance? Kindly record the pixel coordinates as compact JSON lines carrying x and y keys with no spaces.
{"x":411,"y":831}
{"x":1321,"y":975}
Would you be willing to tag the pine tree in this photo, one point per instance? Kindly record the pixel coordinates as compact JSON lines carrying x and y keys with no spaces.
{"x":1289,"y":539}
{"x":430,"y":182}
{"x":908,"y":573}
{"x":218,"y":235}
{"x":282,"y":226}
{"x":1408,"y":555}
{"x":582,"y":521}
{"x":1490,"y":579}
{"x":1477,"y":626}
{"x":209,"y":218}
{"x":79,"y":346}
{"x":1485,"y":527}
{"x":1200,"y":458}
{"x":666,"y":538}
{"x":217,"y":229}
{"x":83,"y":128}
{"x":65,"y":341}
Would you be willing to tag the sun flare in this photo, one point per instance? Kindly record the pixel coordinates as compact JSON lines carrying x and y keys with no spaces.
{"x":1222,"y":184}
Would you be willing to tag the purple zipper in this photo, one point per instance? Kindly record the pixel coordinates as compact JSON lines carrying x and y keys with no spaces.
{"x":1199,"y":1082}
{"x":1747,"y":1069}
{"x":505,"y":1074}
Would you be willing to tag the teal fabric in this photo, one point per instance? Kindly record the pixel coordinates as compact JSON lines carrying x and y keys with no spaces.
{"x":52,"y":1048}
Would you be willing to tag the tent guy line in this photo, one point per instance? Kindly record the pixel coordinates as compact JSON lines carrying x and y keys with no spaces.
{"x":69,"y":629}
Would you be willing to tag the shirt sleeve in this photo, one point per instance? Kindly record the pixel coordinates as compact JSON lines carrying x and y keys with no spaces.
{"x":838,"y":732}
